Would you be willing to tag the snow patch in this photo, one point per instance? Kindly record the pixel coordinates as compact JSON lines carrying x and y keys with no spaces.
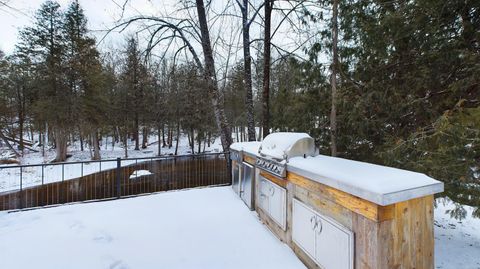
{"x":140,"y":173}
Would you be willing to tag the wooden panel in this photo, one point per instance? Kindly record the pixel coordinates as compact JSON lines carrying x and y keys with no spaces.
{"x":360,"y":206}
{"x":249,"y":159}
{"x":323,"y":205}
{"x":280,"y":182}
{"x":272,"y":225}
{"x":413,"y":238}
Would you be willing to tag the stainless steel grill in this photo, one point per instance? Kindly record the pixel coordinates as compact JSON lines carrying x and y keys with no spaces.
{"x":277,"y":148}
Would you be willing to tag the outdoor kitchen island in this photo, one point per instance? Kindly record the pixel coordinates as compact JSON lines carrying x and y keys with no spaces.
{"x":336,"y":213}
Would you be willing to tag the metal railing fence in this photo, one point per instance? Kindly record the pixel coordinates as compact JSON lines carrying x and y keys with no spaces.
{"x":25,"y":186}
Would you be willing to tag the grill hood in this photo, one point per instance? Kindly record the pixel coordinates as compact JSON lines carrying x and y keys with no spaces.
{"x":282,"y":146}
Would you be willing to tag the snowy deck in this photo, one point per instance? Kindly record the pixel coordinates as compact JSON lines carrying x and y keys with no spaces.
{"x":200,"y":228}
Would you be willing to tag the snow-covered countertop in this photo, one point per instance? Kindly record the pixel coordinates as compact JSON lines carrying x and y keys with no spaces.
{"x":381,"y":185}
{"x":247,"y":147}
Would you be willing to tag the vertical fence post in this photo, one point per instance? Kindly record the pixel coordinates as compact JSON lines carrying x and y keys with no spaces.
{"x":119,"y":164}
{"x":21,"y":188}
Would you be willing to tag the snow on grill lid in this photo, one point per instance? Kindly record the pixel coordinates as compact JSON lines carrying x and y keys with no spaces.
{"x":287,"y":145}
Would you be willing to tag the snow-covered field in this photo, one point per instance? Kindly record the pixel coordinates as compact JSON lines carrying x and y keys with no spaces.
{"x":10,"y":178}
{"x":199,"y":229}
{"x":457,"y":242}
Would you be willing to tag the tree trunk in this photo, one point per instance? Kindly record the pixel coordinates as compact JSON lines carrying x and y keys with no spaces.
{"x":126,"y":143}
{"x":8,"y":144}
{"x":136,"y":135}
{"x":199,"y":142}
{"x":81,"y":142}
{"x":170,"y":138}
{"x":44,"y":142}
{"x":60,"y":145}
{"x":210,"y":76}
{"x":21,"y":121}
{"x":266,"y":68}
{"x":333,"y":112}
{"x":178,"y":138}
{"x":163,"y":136}
{"x":115,"y":138}
{"x":144,"y":138}
{"x":96,"y":146}
{"x":247,"y":68}
{"x":205,"y":143}
{"x":160,"y":134}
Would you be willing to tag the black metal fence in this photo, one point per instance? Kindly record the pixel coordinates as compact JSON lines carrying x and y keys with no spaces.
{"x":57,"y":183}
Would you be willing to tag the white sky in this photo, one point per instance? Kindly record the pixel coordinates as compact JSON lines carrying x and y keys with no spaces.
{"x":103,"y":14}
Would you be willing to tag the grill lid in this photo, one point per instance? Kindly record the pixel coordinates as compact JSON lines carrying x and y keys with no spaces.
{"x":282,"y":146}
{"x":277,"y":148}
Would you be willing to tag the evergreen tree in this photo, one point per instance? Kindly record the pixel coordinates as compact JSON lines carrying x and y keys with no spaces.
{"x":134,"y":77}
{"x":45,"y":42}
{"x":84,"y":75}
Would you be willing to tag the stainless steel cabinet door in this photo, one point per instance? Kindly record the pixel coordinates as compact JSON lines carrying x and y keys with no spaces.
{"x":328,"y":243}
{"x":236,"y":178}
{"x":278,"y":205}
{"x":273,"y":200}
{"x":246,"y":188}
{"x":303,"y":228}
{"x":334,"y":245}
{"x":263,"y":196}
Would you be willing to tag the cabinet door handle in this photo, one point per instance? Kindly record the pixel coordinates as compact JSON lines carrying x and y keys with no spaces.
{"x":320,"y":225}
{"x":272,"y":191}
{"x":313,"y":222}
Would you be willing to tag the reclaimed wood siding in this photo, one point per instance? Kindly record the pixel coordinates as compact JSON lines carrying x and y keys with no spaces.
{"x":398,"y":236}
{"x":166,"y":174}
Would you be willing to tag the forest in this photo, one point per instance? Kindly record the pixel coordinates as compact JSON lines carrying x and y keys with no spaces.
{"x":395,"y":83}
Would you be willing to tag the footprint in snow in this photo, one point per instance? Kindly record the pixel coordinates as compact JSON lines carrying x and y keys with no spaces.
{"x":118,"y":265}
{"x":76,"y":225}
{"x":102,"y":237}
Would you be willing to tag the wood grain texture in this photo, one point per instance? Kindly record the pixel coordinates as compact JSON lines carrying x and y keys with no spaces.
{"x":249,"y":159}
{"x":358,"y":205}
{"x":413,"y":236}
{"x":279,"y":181}
{"x":323,"y":205}
{"x":167,"y":174}
{"x":398,"y":236}
{"x":404,"y":242}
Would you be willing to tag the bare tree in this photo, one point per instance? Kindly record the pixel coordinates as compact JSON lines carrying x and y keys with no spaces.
{"x":210,"y":76}
{"x":333,"y":112}
{"x":266,"y":68}
{"x":247,"y":65}
{"x":187,"y":31}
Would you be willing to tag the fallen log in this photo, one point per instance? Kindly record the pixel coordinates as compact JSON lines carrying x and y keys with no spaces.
{"x":5,"y":139}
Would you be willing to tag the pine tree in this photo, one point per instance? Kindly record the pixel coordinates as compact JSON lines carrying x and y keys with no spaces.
{"x":84,"y":75}
{"x":134,"y":79}
{"x":45,"y":42}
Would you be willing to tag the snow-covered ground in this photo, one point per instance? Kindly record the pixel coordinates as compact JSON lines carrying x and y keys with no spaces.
{"x":10,"y":178}
{"x":457,"y":242}
{"x":200,"y":228}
